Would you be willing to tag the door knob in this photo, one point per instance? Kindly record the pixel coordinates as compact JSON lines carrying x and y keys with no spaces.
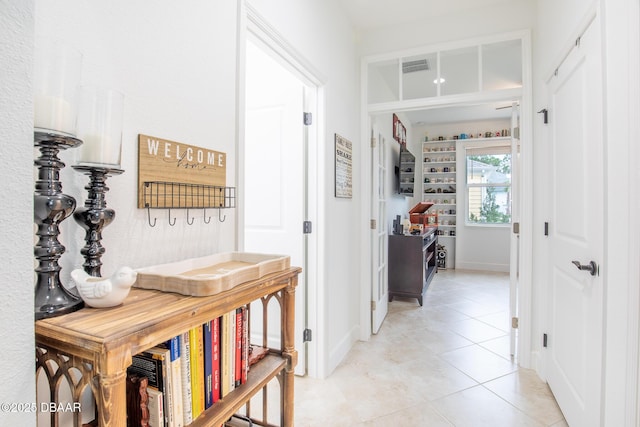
{"x":592,"y":267}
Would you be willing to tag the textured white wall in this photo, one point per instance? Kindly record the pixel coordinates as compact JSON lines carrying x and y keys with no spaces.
{"x":175,"y":64}
{"x":16,"y":211}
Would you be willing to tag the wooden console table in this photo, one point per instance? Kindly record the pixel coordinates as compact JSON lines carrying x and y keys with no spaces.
{"x":99,"y":343}
{"x":412,"y":264}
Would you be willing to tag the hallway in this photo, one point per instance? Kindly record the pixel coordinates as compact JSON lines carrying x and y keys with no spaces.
{"x":444,"y":364}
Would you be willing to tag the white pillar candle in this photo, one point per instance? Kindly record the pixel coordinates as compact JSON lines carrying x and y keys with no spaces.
{"x":99,"y":149}
{"x":100,"y":127}
{"x":52,"y":113}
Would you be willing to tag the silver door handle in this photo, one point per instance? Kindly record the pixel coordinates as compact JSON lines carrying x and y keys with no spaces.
{"x":592,"y":267}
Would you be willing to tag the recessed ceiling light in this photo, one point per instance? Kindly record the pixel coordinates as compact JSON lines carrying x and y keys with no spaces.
{"x":440,"y":80}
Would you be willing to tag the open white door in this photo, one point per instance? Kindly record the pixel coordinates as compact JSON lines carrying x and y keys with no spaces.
{"x":575,"y":324}
{"x":514,"y":256}
{"x":379,"y":278}
{"x":275,"y":172}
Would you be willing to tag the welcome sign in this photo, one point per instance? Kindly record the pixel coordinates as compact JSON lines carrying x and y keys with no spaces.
{"x":165,"y":161}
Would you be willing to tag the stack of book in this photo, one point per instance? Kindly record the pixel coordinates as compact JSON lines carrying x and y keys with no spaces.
{"x":191,"y":372}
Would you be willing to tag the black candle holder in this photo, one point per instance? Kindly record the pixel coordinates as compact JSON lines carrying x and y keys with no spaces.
{"x":50,"y":208}
{"x":95,"y":215}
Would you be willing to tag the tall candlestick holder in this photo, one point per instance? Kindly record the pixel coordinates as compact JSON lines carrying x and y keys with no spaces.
{"x":51,"y":207}
{"x":95,"y":215}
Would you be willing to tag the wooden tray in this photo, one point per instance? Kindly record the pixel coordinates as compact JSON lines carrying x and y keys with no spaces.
{"x":211,"y":274}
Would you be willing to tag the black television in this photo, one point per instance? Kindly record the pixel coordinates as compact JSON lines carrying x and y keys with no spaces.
{"x":405,"y":172}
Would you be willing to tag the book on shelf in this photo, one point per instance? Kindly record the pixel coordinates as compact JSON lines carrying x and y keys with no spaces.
{"x":215,"y":358}
{"x":238,"y":348}
{"x":176,"y":380}
{"x":156,"y":408}
{"x":232,"y":350}
{"x":225,"y":351}
{"x":145,"y":365}
{"x":137,"y":400}
{"x":207,"y":337}
{"x":163,"y":354}
{"x":185,"y":365}
{"x":245,"y":344}
{"x":197,"y":371}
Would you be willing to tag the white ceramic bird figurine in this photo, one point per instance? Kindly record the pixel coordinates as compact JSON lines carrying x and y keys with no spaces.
{"x":102,"y":292}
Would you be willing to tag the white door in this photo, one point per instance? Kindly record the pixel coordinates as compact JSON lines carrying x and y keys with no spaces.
{"x":514,"y":258}
{"x":379,"y":278}
{"x":574,"y":336}
{"x":275,"y":171}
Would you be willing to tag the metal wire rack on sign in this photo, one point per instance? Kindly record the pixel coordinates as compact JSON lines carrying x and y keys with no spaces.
{"x":177,"y":195}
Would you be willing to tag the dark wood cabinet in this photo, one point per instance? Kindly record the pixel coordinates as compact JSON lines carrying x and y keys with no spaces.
{"x":412,"y":264}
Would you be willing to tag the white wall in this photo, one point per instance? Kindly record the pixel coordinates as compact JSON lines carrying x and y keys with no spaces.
{"x":179,"y":84}
{"x":16,"y":226}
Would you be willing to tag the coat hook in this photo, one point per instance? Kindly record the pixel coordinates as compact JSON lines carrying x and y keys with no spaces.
{"x":174,"y":220}
{"x":149,"y":216}
{"x":204,"y":216}
{"x":192,"y":218}
{"x":220,"y":218}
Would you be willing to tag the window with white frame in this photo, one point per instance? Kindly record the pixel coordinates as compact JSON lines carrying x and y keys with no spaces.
{"x":488,"y":185}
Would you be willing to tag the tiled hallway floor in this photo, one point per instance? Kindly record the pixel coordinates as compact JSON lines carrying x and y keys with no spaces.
{"x":444,"y":364}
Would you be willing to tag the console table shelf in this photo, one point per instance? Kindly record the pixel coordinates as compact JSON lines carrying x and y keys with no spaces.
{"x":100,"y":343}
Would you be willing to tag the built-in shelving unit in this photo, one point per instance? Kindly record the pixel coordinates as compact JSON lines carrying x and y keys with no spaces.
{"x":440,"y":185}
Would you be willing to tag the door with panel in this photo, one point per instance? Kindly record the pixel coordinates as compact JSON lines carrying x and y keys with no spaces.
{"x":576,"y":296}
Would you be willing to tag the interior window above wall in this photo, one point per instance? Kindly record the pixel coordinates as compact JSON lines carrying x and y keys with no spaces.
{"x":383,"y":81}
{"x":430,"y":73}
{"x":419,"y":74}
{"x":459,"y":71}
{"x":502,"y":65}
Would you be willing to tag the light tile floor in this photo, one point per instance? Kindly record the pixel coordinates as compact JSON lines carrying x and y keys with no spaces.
{"x":444,"y":364}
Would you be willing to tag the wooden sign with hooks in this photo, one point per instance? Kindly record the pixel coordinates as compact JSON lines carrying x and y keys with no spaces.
{"x":188,"y":173}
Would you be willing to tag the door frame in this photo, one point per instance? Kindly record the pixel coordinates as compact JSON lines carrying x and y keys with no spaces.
{"x":252,"y":24}
{"x":525,"y":320}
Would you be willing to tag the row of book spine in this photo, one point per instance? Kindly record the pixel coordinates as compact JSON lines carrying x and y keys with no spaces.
{"x":189,"y":373}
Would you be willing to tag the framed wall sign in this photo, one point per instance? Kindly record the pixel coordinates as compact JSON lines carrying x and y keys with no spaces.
{"x":344,"y":170}
{"x":182,"y":170}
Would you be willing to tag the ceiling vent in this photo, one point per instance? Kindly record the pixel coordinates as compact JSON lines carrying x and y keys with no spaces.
{"x":413,"y":66}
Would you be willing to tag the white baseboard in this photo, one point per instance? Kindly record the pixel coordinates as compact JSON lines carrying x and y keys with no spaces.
{"x":337,"y":355}
{"x":479,"y":266}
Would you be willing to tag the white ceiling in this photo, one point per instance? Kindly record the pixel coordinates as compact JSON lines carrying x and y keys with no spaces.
{"x":371,"y":14}
{"x":368,"y":15}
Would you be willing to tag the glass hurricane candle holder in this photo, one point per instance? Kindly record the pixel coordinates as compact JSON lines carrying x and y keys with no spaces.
{"x":57,"y":69}
{"x":100,"y":127}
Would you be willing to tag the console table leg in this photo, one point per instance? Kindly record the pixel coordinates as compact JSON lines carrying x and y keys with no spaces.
{"x":289,"y":350}
{"x":112,"y":400}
